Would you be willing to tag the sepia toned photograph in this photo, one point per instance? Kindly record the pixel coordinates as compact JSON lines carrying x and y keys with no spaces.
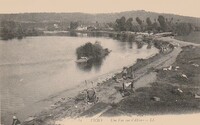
{"x":99,"y":62}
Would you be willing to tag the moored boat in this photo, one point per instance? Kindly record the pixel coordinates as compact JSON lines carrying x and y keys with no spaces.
{"x":82,"y":60}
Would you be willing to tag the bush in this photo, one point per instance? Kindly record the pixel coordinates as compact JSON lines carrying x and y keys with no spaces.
{"x":91,"y":50}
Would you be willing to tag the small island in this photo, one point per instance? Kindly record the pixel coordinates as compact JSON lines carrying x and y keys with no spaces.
{"x":91,"y":51}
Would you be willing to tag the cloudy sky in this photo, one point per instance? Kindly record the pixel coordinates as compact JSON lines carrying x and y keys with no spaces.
{"x":182,"y":7}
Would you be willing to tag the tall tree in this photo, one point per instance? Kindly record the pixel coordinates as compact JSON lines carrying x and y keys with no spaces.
{"x":73,"y":25}
{"x":162,"y":22}
{"x":139,"y":21}
{"x":149,"y":24}
{"x":129,"y":25}
{"x":148,"y":20}
{"x":120,"y":24}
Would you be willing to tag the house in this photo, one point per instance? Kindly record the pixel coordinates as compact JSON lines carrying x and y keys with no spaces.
{"x":81,"y":28}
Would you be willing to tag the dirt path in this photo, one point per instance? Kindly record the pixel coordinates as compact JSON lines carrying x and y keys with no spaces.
{"x":144,"y":77}
{"x":175,"y":42}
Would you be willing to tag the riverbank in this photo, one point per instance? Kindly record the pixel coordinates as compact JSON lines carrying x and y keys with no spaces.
{"x":107,"y":90}
{"x":156,"y":91}
{"x":176,"y":89}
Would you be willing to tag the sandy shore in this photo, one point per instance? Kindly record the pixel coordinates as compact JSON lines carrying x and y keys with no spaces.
{"x":65,"y":104}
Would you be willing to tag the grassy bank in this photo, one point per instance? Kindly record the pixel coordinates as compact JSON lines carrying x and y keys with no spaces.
{"x":176,"y":92}
{"x":194,"y":37}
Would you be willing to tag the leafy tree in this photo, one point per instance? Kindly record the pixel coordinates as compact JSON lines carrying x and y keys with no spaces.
{"x":73,"y":25}
{"x":162,"y":22}
{"x":129,"y":25}
{"x":90,"y":50}
{"x":11,"y":29}
{"x":149,"y":24}
{"x":7,"y":31}
{"x":120,"y":24}
{"x":139,"y":21}
{"x":148,"y":20}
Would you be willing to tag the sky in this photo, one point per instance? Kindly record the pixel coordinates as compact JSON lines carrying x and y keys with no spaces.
{"x":181,"y":7}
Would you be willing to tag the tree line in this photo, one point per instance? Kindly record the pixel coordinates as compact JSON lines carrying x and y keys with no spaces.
{"x":161,"y":24}
{"x":12,"y":29}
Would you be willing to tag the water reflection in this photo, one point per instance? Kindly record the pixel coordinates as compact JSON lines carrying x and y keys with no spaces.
{"x":73,"y":33}
{"x":130,"y":44}
{"x":93,"y":63}
{"x":124,"y":46}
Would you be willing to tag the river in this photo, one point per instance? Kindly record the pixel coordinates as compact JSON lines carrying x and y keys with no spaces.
{"x":34,"y":68}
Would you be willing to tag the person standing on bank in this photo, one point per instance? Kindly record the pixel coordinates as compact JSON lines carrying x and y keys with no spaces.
{"x":132,"y":86}
{"x":123,"y":87}
{"x":16,"y":121}
{"x":124,"y":73}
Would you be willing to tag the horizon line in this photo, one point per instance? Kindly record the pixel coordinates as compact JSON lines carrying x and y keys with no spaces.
{"x":7,"y":13}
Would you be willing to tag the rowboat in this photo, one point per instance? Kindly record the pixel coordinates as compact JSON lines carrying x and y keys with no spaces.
{"x":82,"y":60}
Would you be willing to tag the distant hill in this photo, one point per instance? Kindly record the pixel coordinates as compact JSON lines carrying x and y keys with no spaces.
{"x":92,"y":18}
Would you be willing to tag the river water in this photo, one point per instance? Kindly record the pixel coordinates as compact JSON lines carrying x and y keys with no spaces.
{"x":34,"y":68}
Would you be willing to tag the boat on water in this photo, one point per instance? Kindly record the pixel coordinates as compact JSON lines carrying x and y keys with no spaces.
{"x":82,"y":60}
